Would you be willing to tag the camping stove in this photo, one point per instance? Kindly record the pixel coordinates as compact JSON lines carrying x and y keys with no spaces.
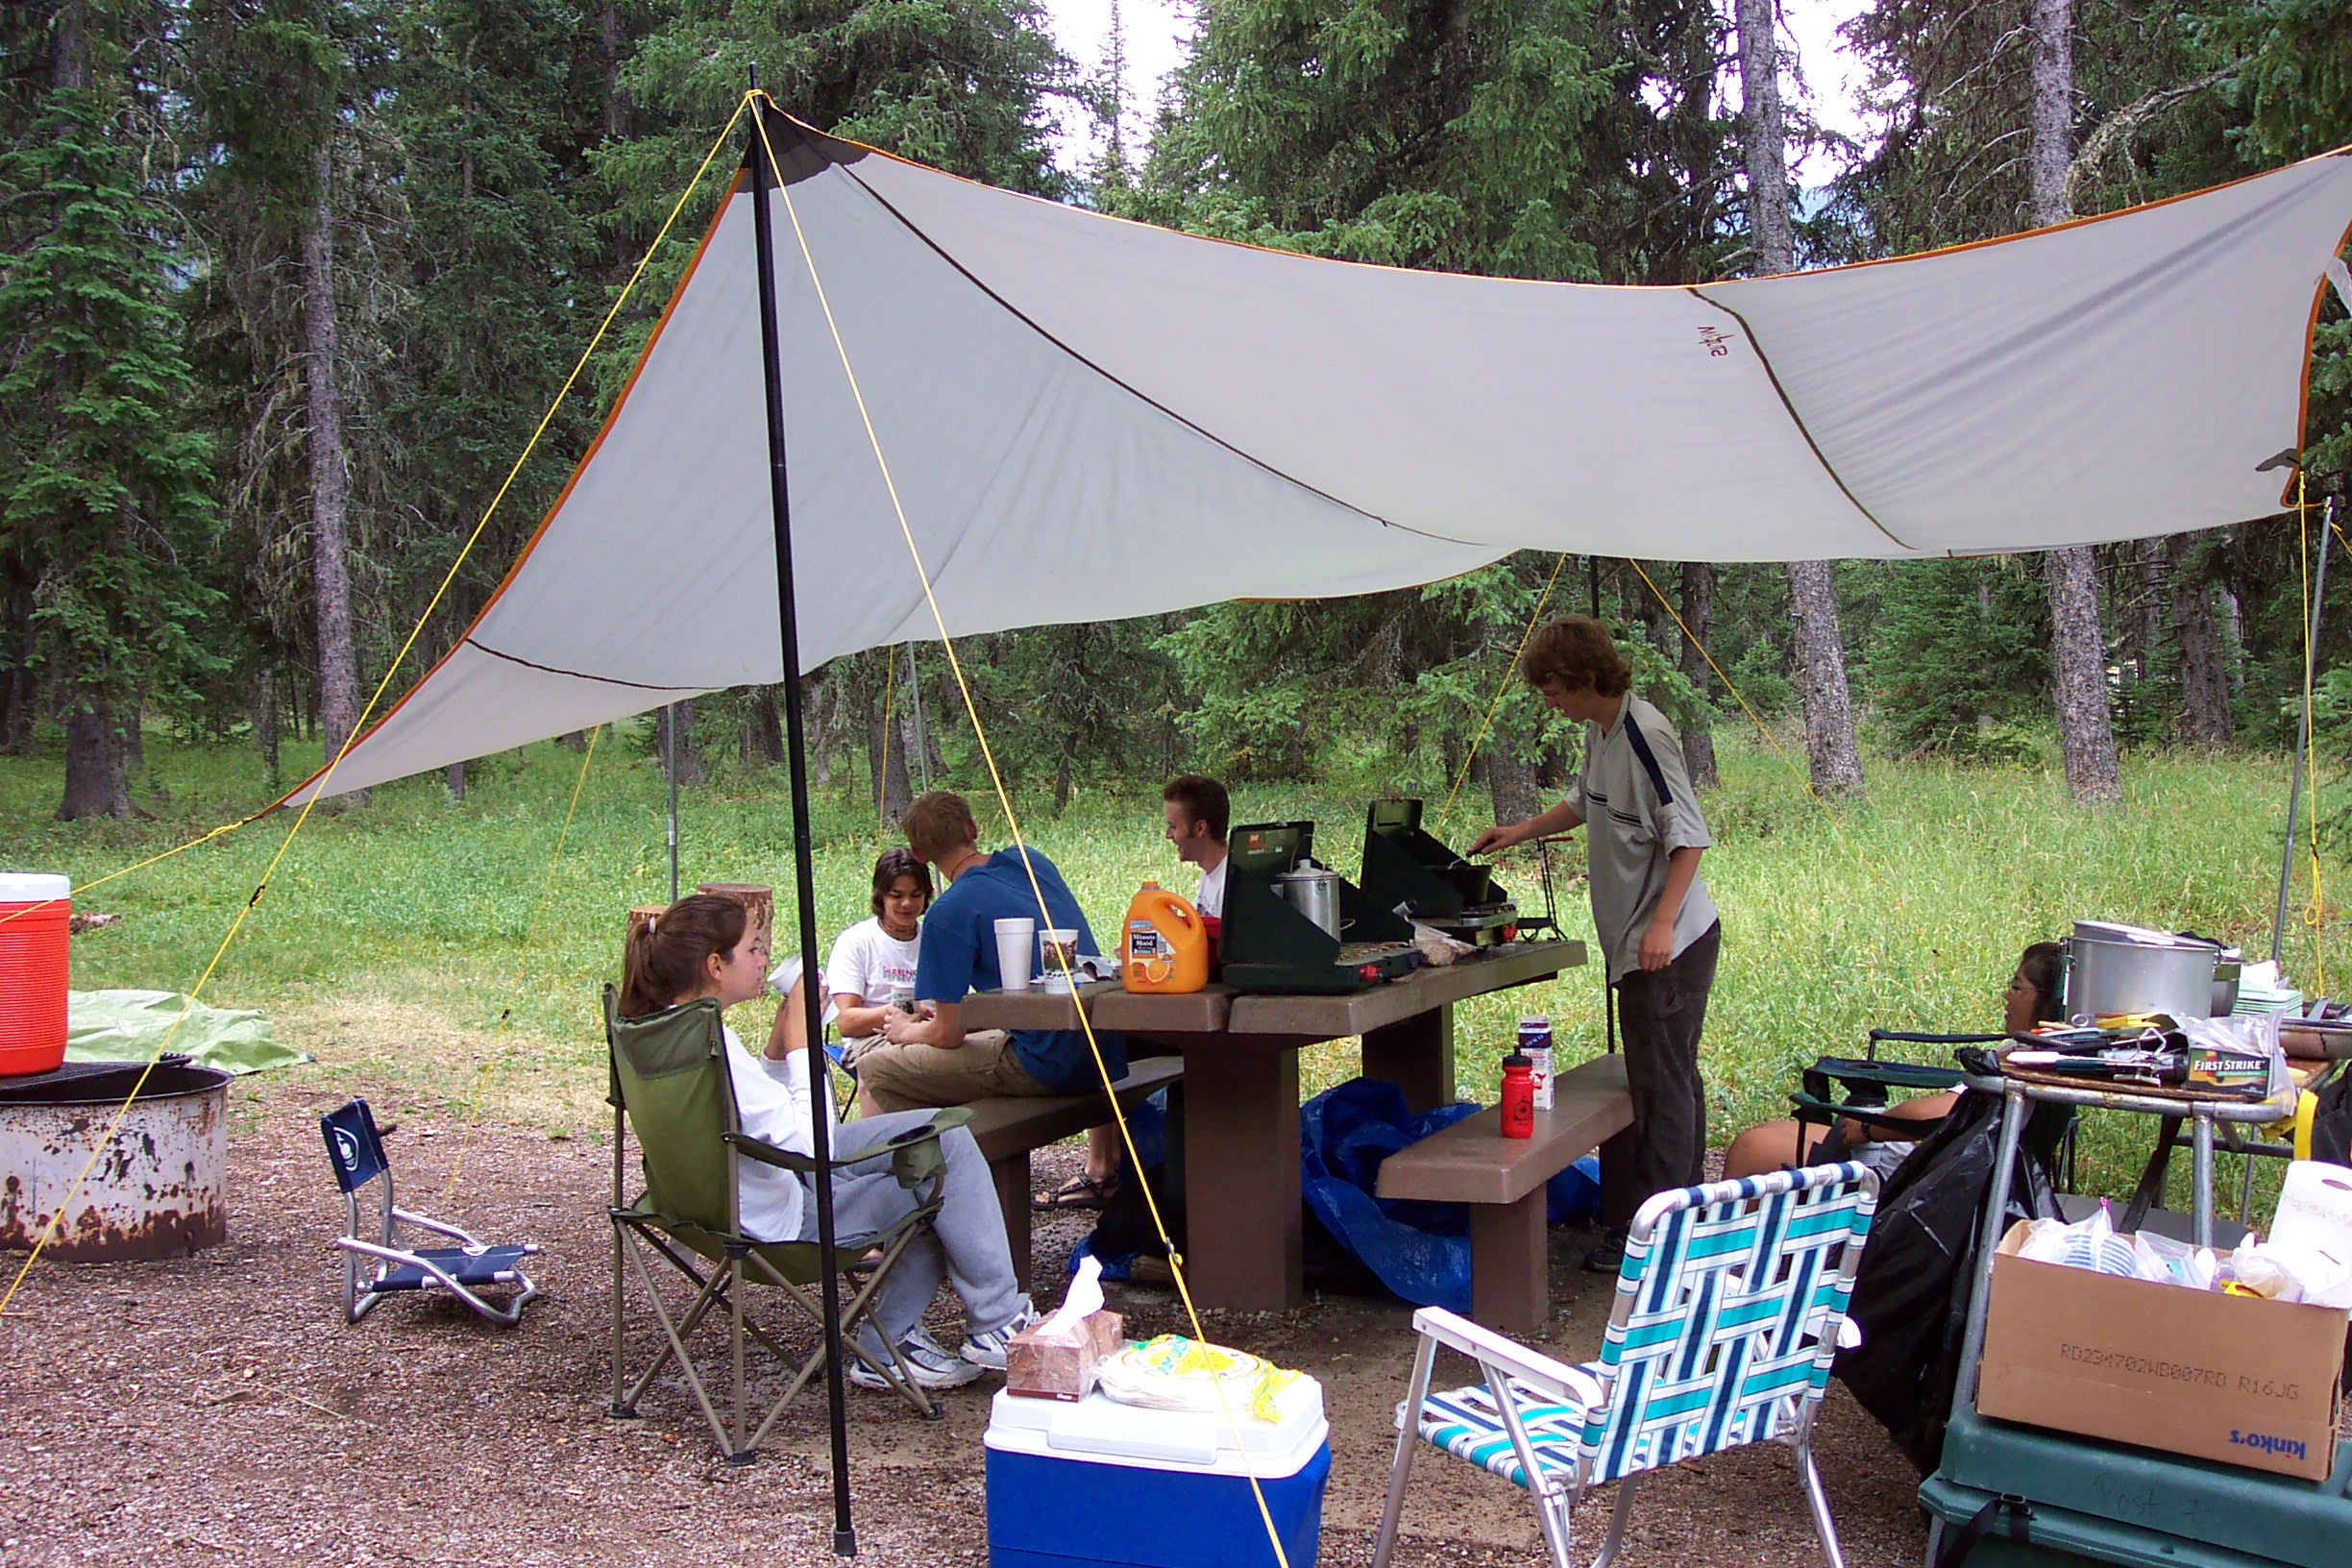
{"x":158,"y":1190}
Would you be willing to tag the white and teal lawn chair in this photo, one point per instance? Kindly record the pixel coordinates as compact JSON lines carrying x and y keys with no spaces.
{"x":1730,"y":1308}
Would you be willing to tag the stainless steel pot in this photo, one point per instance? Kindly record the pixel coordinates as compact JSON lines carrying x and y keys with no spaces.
{"x":2115,"y":969}
{"x":1313,"y":893}
{"x":2227,"y":969}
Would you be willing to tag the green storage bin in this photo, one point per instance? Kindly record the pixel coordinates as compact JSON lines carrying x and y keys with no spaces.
{"x":2099,"y":1502}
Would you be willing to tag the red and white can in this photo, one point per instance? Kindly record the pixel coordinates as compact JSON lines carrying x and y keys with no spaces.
{"x":34,"y":909}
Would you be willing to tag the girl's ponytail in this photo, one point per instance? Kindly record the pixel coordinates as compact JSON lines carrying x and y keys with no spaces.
{"x":662,"y":962}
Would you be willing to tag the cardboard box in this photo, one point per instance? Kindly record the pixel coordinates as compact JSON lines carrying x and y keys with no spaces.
{"x":2233,"y":1378}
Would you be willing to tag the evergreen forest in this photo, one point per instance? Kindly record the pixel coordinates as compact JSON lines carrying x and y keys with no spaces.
{"x":286,"y":286}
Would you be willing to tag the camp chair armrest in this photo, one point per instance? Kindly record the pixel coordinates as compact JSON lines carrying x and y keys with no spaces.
{"x":1878,"y":1119}
{"x":767,"y":1154}
{"x":451,"y":1231}
{"x":1555,"y":1379}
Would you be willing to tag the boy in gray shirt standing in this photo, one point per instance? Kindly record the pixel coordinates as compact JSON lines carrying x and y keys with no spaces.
{"x":1659,"y":931}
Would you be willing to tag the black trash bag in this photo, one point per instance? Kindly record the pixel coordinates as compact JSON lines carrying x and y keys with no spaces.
{"x":1911,"y":1293}
{"x":2331,"y":1122}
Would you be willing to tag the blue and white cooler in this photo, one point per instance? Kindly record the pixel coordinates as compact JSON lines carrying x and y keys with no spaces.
{"x":1071,"y":1486}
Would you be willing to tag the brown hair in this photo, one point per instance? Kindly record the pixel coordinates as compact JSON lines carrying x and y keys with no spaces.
{"x":894,"y":863}
{"x":665,"y":955}
{"x":1575,"y":650}
{"x":937,"y":821}
{"x":2043,"y":968}
{"x":1204,"y":800}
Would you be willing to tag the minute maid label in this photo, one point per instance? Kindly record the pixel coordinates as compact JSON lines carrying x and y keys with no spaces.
{"x":1144,"y":943}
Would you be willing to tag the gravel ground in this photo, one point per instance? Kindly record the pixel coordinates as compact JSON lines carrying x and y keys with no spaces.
{"x":216,"y":1409}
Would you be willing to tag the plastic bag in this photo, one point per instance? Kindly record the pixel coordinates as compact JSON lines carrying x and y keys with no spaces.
{"x":1421,"y":1251}
{"x":2094,"y":1244}
{"x":1174,"y":1373}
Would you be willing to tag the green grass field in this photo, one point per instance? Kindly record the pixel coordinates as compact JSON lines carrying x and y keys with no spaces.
{"x":398,"y":942}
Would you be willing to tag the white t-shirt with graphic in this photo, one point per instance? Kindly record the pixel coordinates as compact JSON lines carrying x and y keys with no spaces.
{"x":868,"y":961}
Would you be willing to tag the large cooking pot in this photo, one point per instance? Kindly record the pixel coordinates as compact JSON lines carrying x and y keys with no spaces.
{"x":1313,"y":893}
{"x":2113,"y":969}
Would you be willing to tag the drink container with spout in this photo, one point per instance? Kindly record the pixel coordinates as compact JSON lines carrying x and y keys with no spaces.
{"x":1165,"y":945}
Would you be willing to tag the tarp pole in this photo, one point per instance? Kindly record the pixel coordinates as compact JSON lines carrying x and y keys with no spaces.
{"x":804,"y":876}
{"x":923,"y":746}
{"x":2302,"y":750}
{"x":669,"y":723}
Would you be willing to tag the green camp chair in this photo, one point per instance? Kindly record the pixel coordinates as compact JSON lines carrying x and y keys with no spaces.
{"x":670,"y":1082}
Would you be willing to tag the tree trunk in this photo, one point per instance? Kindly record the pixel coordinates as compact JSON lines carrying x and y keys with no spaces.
{"x":265,"y":722}
{"x":821,"y":697}
{"x":689,"y":760}
{"x":329,"y":475}
{"x":1830,"y":747}
{"x":1065,"y":765}
{"x":457,"y":783}
{"x":766,"y":727}
{"x":1552,"y":770}
{"x":2078,"y":652}
{"x":133,"y":740}
{"x":1699,"y":614}
{"x":95,"y":782}
{"x":861,"y":701}
{"x":20,"y":687}
{"x":1836,"y":760}
{"x":1510,"y":782}
{"x":2205,"y":697}
{"x":68,"y":68}
{"x":2086,"y":733}
{"x":2233,"y":647}
{"x":897,"y":791}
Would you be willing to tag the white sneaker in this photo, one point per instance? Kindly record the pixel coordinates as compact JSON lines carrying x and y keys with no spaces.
{"x":928,"y":1363}
{"x":988,"y":1348}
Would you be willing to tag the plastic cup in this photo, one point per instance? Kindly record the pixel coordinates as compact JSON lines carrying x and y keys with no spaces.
{"x":1016,"y":947}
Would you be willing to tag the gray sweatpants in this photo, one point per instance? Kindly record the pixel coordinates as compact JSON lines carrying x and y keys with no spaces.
{"x":1660,"y":1014}
{"x":965,"y":1246}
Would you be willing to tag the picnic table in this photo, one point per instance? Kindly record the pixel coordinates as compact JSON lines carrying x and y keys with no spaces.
{"x":1242,"y":1090}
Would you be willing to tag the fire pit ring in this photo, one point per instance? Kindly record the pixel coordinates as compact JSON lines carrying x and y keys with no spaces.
{"x":159,"y":1190}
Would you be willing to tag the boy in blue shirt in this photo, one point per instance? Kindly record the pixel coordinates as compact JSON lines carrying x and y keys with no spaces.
{"x":929,"y":1060}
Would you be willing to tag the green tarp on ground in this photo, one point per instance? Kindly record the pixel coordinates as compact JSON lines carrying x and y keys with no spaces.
{"x":127,"y":1026}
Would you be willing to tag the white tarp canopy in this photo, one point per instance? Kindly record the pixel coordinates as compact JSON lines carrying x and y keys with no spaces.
{"x":1088,"y":419}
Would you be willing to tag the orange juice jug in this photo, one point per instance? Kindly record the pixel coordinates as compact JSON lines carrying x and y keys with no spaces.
{"x":1164,"y":946}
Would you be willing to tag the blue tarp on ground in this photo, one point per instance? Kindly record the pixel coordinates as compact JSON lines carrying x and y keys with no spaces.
{"x":1419,"y":1250}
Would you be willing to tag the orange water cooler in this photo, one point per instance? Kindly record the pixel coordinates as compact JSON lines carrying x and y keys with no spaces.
{"x":33,"y":912}
{"x":1164,"y":946}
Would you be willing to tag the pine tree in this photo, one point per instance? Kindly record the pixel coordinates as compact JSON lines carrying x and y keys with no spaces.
{"x":1835,"y":757}
{"x":102,"y":481}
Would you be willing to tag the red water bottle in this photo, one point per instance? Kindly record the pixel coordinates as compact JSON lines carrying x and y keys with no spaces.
{"x":1518,"y":1096}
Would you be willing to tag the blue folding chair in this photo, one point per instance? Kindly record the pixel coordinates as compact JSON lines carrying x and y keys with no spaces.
{"x":1729,"y":1305}
{"x":355,"y":1150}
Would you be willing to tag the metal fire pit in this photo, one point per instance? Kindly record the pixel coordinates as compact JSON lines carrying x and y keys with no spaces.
{"x":159,"y":1190}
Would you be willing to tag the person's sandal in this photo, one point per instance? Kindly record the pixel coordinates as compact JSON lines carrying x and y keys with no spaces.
{"x":1080,"y":1191}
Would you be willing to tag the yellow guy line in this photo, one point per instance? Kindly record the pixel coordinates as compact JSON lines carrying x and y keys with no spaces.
{"x":319,"y":791}
{"x":530,"y":934}
{"x":1013,"y":825}
{"x":138,"y":866}
{"x":1501,"y":687}
{"x":1802,"y":775}
{"x":2314,"y":912}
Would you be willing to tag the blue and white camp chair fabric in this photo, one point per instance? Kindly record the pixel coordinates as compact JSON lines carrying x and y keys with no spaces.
{"x":1730,"y":1308}
{"x":355,"y":1150}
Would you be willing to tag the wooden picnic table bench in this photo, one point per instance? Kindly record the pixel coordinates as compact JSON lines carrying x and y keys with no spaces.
{"x":1008,"y":1128}
{"x":1501,"y":1179}
{"x":1245,"y":1241}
